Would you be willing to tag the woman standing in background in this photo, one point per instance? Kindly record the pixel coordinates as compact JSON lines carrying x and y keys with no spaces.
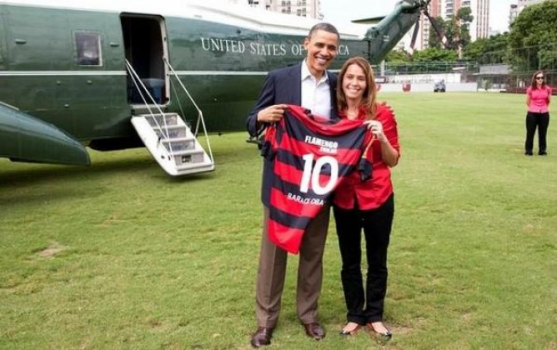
{"x":538,"y":97}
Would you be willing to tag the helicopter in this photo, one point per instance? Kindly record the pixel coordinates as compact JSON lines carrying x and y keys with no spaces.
{"x":112,"y":75}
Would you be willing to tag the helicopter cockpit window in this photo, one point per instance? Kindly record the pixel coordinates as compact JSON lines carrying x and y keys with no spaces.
{"x":88,"y":46}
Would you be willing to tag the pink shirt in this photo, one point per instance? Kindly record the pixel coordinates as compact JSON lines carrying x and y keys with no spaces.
{"x":539,"y":99}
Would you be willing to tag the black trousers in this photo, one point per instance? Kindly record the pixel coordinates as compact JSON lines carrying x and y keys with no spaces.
{"x":364,"y":307}
{"x":541,"y":122}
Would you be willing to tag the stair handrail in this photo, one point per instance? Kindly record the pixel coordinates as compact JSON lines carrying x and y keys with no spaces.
{"x":200,"y":113}
{"x":137,"y":82}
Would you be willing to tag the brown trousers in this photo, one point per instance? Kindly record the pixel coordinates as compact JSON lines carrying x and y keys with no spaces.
{"x":272,"y":269}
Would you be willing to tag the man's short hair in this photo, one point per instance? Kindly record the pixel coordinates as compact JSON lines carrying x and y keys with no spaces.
{"x":327,"y":27}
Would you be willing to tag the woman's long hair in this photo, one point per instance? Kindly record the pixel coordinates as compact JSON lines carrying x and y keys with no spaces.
{"x":370,"y":94}
{"x":533,"y":82}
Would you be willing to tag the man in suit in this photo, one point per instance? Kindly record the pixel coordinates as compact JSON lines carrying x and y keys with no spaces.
{"x":310,"y":85}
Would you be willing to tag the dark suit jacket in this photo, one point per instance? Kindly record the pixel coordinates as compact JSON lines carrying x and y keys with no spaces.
{"x":282,"y":86}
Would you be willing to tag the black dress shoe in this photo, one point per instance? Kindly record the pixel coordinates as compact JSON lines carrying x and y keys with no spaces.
{"x":315,"y":331}
{"x":528,"y":153}
{"x":543,"y":153}
{"x":261,"y":337}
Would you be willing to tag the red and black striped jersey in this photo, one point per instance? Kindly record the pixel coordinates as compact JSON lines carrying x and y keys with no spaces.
{"x":310,"y":156}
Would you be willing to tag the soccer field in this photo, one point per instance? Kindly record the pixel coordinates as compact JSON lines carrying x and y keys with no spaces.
{"x":121,"y":256}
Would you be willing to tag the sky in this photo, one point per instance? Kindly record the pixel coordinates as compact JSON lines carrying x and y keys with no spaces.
{"x":337,"y":11}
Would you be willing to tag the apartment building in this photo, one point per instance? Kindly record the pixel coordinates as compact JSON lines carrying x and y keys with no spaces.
{"x":302,"y":8}
{"x":434,"y":10}
{"x":422,"y":40}
{"x":479,"y":28}
{"x":447,"y":9}
{"x":515,"y":9}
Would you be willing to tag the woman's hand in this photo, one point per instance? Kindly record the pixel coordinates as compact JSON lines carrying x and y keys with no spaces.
{"x":376,"y":128}
{"x":388,"y":154}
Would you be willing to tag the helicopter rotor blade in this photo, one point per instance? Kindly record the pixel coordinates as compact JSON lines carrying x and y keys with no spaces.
{"x":438,"y":31}
{"x":415,"y":34}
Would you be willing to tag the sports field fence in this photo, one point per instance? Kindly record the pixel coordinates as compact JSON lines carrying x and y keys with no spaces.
{"x":508,"y":70}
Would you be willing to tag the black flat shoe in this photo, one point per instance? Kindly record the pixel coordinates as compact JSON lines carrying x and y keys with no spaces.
{"x":383,"y":336}
{"x":543,"y":153}
{"x":528,"y":153}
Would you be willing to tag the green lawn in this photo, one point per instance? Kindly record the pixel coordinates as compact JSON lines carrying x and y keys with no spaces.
{"x":122,"y":256}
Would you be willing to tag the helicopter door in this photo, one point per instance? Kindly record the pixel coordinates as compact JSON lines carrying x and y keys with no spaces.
{"x":145,"y":47}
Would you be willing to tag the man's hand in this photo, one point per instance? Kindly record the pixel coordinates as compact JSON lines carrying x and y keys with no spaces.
{"x":271,"y":114}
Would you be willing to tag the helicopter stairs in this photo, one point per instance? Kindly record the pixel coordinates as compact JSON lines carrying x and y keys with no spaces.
{"x":167,"y":137}
{"x":173,"y":145}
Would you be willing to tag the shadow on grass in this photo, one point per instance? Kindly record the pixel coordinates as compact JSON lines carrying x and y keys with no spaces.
{"x":49,"y":196}
{"x":125,"y":167}
{"x":43,"y":173}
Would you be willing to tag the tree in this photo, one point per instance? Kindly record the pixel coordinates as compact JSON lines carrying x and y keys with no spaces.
{"x":533,"y":36}
{"x":432,"y":60}
{"x":433,"y":54}
{"x":492,"y":50}
{"x":452,"y":33}
{"x":464,"y":18}
{"x":456,"y":30}
{"x":464,"y":14}
{"x":397,"y":56}
{"x":434,"y":40}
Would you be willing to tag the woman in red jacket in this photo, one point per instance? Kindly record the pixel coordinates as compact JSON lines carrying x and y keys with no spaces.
{"x":538,"y":97}
{"x":367,"y":205}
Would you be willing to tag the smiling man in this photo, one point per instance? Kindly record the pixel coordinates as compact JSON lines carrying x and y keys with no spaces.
{"x":310,"y":85}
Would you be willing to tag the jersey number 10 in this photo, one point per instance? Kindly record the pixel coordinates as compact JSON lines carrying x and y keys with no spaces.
{"x":313,"y":172}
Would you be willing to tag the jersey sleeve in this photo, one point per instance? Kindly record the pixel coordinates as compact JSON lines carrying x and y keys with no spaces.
{"x":270,"y":142}
{"x":266,"y":99}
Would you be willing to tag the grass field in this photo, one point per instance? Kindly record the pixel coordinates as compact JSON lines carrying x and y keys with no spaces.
{"x":121,"y":256}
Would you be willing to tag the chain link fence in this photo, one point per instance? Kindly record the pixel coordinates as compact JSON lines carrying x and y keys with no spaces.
{"x":507,"y":70}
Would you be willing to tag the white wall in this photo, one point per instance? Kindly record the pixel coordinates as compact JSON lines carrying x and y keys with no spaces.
{"x":425,"y":78}
{"x":424,"y":87}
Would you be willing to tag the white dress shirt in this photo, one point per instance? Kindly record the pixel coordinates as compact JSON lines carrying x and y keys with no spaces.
{"x":316,"y":95}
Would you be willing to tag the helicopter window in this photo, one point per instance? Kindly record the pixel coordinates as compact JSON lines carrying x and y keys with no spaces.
{"x":88,"y":46}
